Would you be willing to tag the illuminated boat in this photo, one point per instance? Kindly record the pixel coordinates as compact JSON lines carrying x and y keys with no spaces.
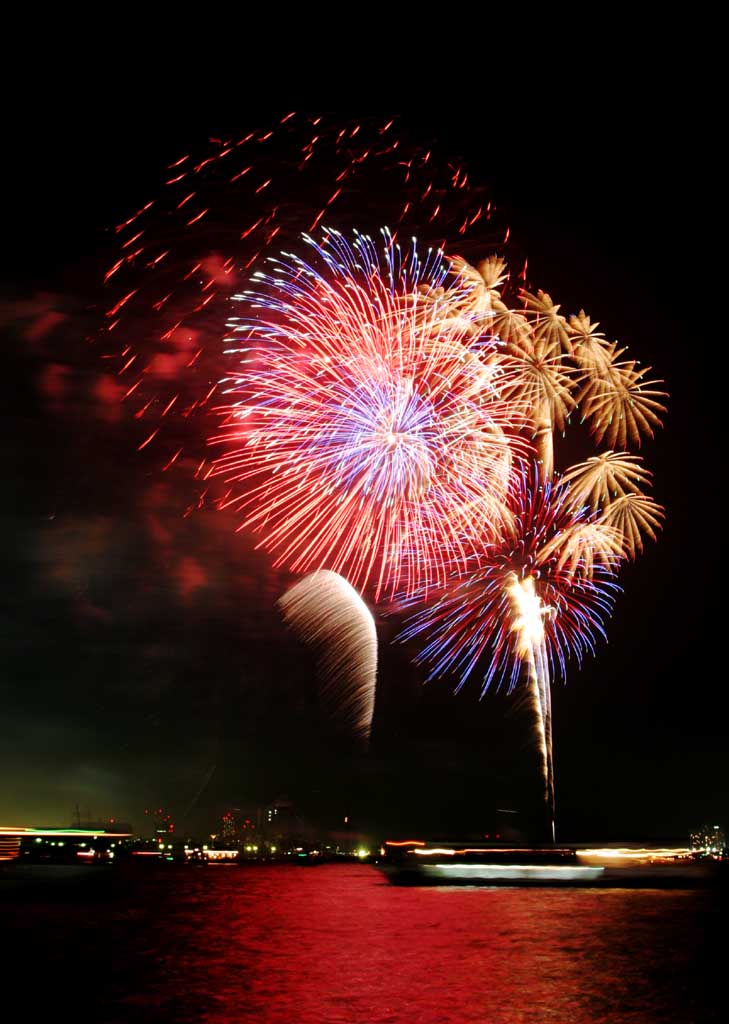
{"x":415,"y":862}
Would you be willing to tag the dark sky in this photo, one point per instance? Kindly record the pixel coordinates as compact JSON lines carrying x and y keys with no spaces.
{"x":144,"y":660}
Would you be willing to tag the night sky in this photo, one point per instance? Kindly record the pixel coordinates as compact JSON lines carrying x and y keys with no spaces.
{"x":144,"y":661}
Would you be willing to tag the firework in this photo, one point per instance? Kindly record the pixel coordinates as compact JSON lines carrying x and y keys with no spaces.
{"x":366,"y":432}
{"x":381,"y":403}
{"x":222,"y":208}
{"x":330,"y":617}
{"x":541,"y":597}
{"x":541,"y":584}
{"x":611,"y":485}
{"x":541,"y":593}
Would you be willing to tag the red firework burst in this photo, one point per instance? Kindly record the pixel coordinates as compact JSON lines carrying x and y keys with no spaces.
{"x":181,"y":255}
{"x":365,"y":432}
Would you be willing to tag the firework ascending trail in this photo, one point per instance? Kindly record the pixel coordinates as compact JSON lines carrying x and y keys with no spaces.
{"x":528,"y":625}
{"x":366,"y":433}
{"x":329,"y":616}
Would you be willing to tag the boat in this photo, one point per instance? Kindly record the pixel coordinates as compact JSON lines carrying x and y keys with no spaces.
{"x":416,"y":862}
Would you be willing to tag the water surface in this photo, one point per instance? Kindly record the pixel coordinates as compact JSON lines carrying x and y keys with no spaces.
{"x":339,"y":944}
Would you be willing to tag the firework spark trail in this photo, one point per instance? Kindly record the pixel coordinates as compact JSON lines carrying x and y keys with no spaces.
{"x":527,"y":624}
{"x":365,"y":433}
{"x":329,"y":616}
{"x":181,"y":255}
{"x":544,"y":677}
{"x":540,"y":682}
{"x":536,"y":690}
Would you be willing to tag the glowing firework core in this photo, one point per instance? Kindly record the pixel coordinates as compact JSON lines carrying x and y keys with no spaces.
{"x":394,"y":450}
{"x":529,"y":613}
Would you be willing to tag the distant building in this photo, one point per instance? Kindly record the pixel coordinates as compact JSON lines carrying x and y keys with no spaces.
{"x":229,"y":827}
{"x":279,"y":817}
{"x":710,"y":839}
{"x":161,"y":821}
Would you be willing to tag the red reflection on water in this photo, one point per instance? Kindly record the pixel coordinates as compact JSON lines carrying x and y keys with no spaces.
{"x":336,"y":944}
